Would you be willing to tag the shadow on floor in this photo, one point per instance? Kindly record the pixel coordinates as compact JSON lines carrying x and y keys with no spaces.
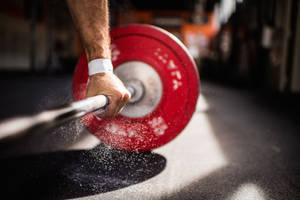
{"x":71,"y":174}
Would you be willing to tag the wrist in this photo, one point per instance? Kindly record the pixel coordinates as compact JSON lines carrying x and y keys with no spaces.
{"x":95,"y":50}
{"x":100,"y":65}
{"x":92,"y":54}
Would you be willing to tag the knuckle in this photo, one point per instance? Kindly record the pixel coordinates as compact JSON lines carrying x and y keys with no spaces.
{"x":127,"y":96}
{"x":119,"y":95}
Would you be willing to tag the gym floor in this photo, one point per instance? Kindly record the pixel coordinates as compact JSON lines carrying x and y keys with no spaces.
{"x":238,"y":145}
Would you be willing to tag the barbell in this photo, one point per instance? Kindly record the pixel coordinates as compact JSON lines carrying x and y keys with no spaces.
{"x":163,"y":81}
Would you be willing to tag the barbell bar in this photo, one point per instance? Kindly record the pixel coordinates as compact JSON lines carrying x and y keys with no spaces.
{"x":16,"y":127}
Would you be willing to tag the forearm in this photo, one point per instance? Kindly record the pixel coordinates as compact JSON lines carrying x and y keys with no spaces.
{"x":92,"y":22}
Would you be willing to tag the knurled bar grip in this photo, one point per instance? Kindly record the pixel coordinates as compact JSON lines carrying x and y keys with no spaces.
{"x":18,"y":126}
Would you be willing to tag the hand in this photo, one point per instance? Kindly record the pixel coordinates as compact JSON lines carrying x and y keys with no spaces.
{"x":111,"y":86}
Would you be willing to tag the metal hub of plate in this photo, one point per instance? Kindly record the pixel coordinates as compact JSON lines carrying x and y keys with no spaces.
{"x":147,"y":87}
{"x":136,"y":89}
{"x":146,"y":57}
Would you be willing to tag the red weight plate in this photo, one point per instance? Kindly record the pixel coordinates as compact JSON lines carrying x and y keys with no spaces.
{"x":180,"y":89}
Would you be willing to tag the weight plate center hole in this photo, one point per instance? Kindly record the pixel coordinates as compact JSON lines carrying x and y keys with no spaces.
{"x":145,"y":86}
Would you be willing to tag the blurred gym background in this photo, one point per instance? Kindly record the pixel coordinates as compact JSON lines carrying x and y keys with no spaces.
{"x":247,"y":43}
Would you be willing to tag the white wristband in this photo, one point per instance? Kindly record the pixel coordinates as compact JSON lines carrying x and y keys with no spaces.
{"x":99,"y":66}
